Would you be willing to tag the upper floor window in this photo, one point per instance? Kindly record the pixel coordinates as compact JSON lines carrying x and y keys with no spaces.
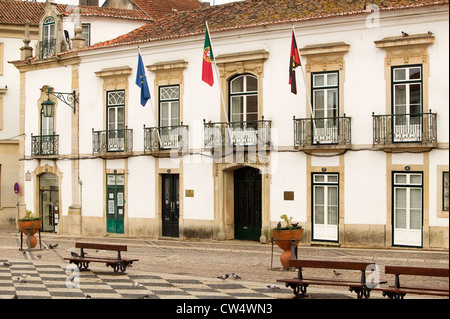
{"x":407,"y":103}
{"x":48,"y":37}
{"x":169,"y":105}
{"x":86,"y":33}
{"x":244,"y":98}
{"x":325,"y":95}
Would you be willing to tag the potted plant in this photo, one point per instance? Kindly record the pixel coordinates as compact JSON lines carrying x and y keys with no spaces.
{"x":282,"y":235}
{"x":32,"y":223}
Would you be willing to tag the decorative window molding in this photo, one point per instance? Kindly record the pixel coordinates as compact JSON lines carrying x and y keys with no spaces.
{"x":325,"y":57}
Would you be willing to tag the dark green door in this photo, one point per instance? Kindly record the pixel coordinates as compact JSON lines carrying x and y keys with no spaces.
{"x":247,"y":204}
{"x":170,"y":205}
{"x":115,"y":202}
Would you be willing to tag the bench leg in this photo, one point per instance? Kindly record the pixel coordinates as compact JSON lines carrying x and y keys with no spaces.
{"x":361,"y":292}
{"x":394,"y":295}
{"x":298,"y":288}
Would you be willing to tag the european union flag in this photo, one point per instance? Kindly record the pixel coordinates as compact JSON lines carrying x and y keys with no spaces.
{"x":141,"y":81}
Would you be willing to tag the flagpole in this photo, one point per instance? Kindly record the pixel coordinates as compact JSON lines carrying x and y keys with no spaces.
{"x":217,"y":75}
{"x":304,"y":81}
{"x":153,"y":110}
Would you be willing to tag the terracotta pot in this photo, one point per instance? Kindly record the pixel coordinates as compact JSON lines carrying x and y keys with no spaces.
{"x":34,"y":226}
{"x":282,"y":239}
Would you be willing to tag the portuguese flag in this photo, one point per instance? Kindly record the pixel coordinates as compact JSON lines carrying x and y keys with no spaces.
{"x":207,"y":72}
{"x":294,"y":61}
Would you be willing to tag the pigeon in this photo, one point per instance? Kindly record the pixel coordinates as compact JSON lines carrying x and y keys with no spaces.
{"x":404,"y":34}
{"x":6,"y":264}
{"x":236,"y":276}
{"x":39,"y":256}
{"x":52,"y":246}
{"x":272,"y":287}
{"x":294,"y":225}
{"x":279,"y":225}
{"x":136,"y":284}
{"x":336,"y":273}
{"x":15,"y":296}
{"x":144,"y":297}
{"x":21,"y":280}
{"x":223,"y":277}
{"x":74,"y":254}
{"x":430,"y":33}
{"x":88,"y":296}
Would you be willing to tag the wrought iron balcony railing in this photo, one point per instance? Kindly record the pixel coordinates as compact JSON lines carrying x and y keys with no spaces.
{"x":44,"y":145}
{"x":412,"y":128}
{"x":47,"y":48}
{"x":166,"y":137}
{"x":112,"y":141}
{"x":252,"y":133}
{"x":319,"y":131}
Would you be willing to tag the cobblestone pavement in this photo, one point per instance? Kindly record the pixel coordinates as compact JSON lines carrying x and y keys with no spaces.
{"x":172,"y":269}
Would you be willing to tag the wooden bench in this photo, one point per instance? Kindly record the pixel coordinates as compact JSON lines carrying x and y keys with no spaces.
{"x":118,"y":263}
{"x":398,"y":291}
{"x":300,"y":284}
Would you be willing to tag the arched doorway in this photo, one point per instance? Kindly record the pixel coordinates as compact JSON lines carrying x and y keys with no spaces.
{"x":247,"y":204}
{"x":49,"y":201}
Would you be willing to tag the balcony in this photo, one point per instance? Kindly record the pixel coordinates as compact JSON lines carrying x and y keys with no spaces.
{"x":47,"y":48}
{"x":44,"y":145}
{"x":395,"y":129}
{"x":237,"y":134}
{"x":331,"y":132}
{"x":112,"y":143}
{"x":159,"y":139}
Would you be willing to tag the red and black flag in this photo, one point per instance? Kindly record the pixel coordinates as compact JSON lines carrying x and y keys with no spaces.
{"x":294,"y":61}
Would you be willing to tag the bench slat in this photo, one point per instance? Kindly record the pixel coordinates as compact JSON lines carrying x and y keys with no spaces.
{"x":300,"y":263}
{"x":417,"y":271}
{"x":414,"y":291}
{"x":101,"y":246}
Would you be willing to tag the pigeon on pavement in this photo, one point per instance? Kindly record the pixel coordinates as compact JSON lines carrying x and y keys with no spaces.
{"x":223,"y":277}
{"x":272,"y":287}
{"x":236,"y":276}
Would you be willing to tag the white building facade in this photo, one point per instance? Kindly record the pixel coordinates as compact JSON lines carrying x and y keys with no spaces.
{"x":359,"y":156}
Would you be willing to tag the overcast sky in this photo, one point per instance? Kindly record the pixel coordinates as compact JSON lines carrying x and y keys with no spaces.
{"x":74,"y":2}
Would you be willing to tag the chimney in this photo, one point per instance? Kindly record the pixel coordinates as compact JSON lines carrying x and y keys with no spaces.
{"x":89,"y":3}
{"x":26,"y":50}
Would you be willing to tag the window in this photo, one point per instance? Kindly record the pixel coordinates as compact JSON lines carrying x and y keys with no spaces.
{"x":407,"y":103}
{"x":325,"y":95}
{"x":86,"y":33}
{"x":116,"y":120}
{"x":325,"y":100}
{"x":244,"y":98}
{"x":48,"y":37}
{"x":169,"y":105}
{"x":445,"y":197}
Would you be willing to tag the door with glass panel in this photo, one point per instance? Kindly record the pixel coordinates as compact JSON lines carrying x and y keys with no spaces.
{"x":407,"y":209}
{"x":116,"y":121}
{"x":169,"y":115}
{"x":325,"y":206}
{"x":244,"y":109}
{"x":407,"y":104}
{"x":115,"y":203}
{"x":326,"y":108}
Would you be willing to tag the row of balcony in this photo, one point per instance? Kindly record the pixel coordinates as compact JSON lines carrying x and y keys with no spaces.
{"x":308,"y":132}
